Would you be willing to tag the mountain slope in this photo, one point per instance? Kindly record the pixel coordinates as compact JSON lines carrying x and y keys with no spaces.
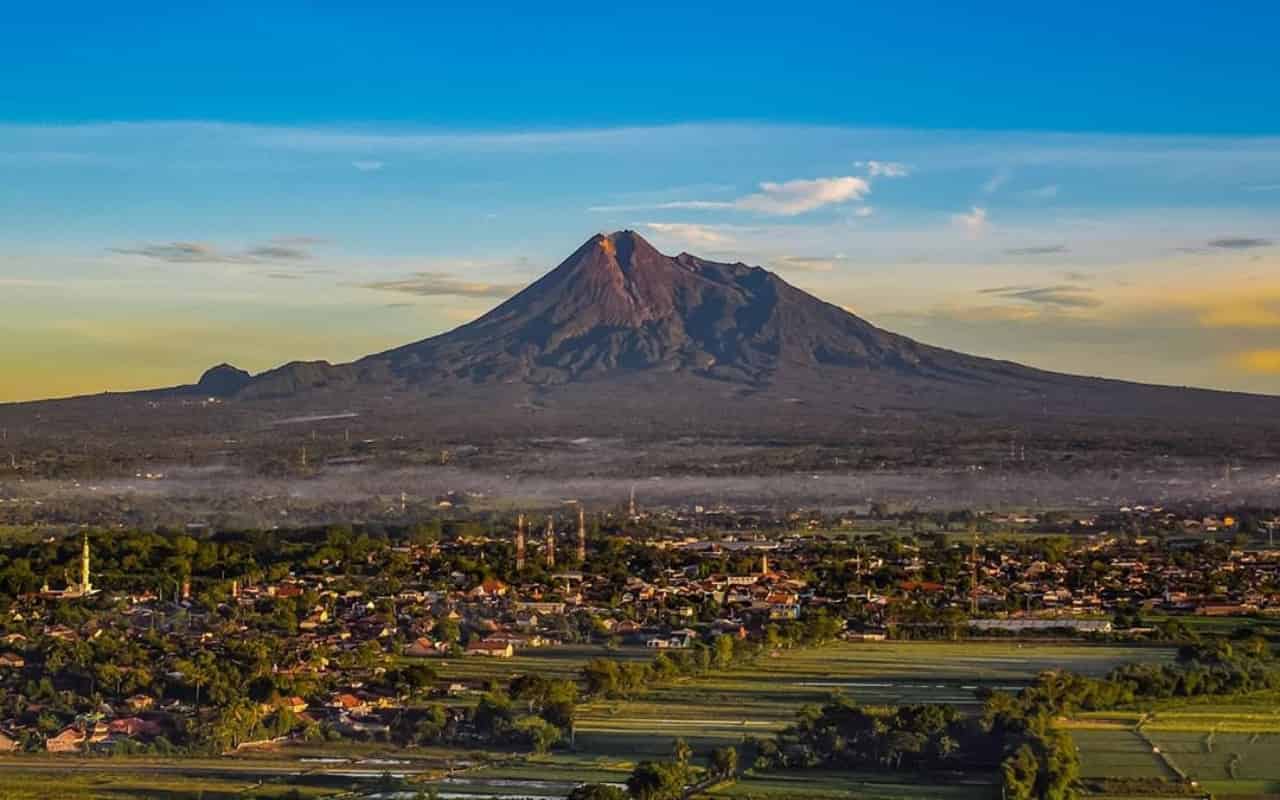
{"x":659,"y":333}
{"x":618,"y":306}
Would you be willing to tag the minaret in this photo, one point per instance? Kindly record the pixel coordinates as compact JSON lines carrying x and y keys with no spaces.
{"x":551,"y":542}
{"x":520,"y":543}
{"x":86,"y":585}
{"x":582,"y":535}
{"x":764,"y":563}
{"x":632,"y":507}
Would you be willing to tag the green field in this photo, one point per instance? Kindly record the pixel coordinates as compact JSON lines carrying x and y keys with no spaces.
{"x":763,"y":698}
{"x":549,"y":662}
{"x":146,"y":786}
{"x":820,"y":785}
{"x":1230,"y":746}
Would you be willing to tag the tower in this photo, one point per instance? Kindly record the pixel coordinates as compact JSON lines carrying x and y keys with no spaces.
{"x":551,"y":542}
{"x":582,"y":534}
{"x":973,"y":586}
{"x":86,"y":585}
{"x":520,"y":542}
{"x":631,"y":508}
{"x":764,"y":563}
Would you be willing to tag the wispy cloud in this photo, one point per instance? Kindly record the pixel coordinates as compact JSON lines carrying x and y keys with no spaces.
{"x":782,"y":199}
{"x":696,"y":205}
{"x":184,"y":253}
{"x":884,"y":169}
{"x":1038,"y":250}
{"x":276,"y":250}
{"x":1239,"y":243}
{"x":808,"y":263}
{"x":974,"y":223}
{"x":279,"y":251}
{"x":368,"y":165}
{"x":1060,"y":296}
{"x":996,"y":181}
{"x":706,"y":235}
{"x":798,"y":196}
{"x":1043,"y":192}
{"x":443,"y":284}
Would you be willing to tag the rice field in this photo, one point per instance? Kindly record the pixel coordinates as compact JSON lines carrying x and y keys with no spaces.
{"x":1230,"y":747}
{"x":820,"y":785}
{"x":763,"y":698}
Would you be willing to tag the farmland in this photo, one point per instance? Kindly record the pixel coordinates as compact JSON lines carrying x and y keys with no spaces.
{"x":1228,"y":746}
{"x":764,"y":698}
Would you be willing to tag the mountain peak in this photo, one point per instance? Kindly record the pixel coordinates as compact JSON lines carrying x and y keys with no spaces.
{"x":622,"y":249}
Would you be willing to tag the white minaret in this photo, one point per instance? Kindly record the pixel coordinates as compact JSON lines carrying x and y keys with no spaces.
{"x":582,"y":534}
{"x":86,"y":585}
{"x":520,"y":543}
{"x":551,"y":542}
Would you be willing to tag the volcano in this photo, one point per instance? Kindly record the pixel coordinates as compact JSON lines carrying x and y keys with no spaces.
{"x":620,"y":339}
{"x":682,"y":331}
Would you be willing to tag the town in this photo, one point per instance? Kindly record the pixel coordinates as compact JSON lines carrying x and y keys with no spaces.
{"x":220,"y":643}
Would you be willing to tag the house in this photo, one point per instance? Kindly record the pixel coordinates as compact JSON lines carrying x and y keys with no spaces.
{"x":140,"y":702}
{"x":425,"y":648}
{"x":295,"y":704}
{"x":678,"y":640}
{"x":489,"y":588}
{"x":134,"y":728}
{"x":11,"y":661}
{"x":348,"y":702}
{"x":9,"y":743}
{"x":67,"y":740}
{"x":493,"y":649}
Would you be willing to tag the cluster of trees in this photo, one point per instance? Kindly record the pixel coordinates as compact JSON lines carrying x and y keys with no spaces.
{"x":606,"y":677}
{"x":673,"y":778}
{"x":1034,"y":761}
{"x":533,"y":711}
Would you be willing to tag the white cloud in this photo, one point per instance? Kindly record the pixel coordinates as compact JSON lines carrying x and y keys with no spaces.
{"x":796,"y":197}
{"x":696,"y":205}
{"x":693,"y":234}
{"x":368,"y":165}
{"x":884,"y":169}
{"x":863,"y":211}
{"x":973,"y":223}
{"x":785,"y":199}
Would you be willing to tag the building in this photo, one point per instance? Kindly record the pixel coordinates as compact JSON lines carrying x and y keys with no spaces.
{"x":493,"y":649}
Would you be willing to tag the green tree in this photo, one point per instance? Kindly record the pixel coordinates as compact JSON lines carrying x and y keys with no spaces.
{"x":724,"y":762}
{"x":597,"y":791}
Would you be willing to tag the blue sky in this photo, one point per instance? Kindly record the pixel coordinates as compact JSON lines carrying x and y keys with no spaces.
{"x":1087,"y":66}
{"x":184,"y":185}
